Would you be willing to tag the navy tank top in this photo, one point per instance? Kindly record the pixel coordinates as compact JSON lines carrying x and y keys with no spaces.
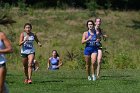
{"x":91,"y":42}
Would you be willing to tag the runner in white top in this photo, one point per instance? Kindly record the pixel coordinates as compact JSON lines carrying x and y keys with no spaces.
{"x":5,"y":47}
{"x":27,"y":50}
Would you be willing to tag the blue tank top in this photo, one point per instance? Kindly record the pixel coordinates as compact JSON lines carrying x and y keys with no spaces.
{"x":27,"y":47}
{"x":91,"y":42}
{"x":2,"y":57}
{"x":54,"y":62}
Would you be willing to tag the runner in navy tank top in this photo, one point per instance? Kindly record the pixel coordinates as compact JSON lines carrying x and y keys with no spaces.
{"x":90,"y":52}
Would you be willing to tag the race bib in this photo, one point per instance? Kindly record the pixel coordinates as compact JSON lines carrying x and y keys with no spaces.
{"x":28,"y":46}
{"x":92,"y":43}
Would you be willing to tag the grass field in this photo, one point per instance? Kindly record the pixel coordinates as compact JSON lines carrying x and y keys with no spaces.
{"x":62,"y":30}
{"x":64,"y":81}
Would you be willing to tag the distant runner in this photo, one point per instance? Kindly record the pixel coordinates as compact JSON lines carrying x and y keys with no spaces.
{"x":54,"y":62}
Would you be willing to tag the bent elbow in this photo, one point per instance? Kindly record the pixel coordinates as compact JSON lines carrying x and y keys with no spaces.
{"x":19,"y":44}
{"x":60,"y":64}
{"x":82,"y":42}
{"x":11,"y":50}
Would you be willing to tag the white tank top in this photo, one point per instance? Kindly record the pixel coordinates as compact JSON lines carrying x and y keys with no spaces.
{"x":27,"y":47}
{"x":2,"y":57}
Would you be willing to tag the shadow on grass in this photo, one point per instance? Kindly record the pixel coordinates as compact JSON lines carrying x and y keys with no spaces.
{"x":74,"y":78}
{"x":9,"y":75}
{"x":135,"y":25}
{"x":115,"y":76}
{"x":47,"y":81}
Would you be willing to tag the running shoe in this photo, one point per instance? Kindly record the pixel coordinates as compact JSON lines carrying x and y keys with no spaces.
{"x":29,"y":81}
{"x":94,"y":78}
{"x":89,"y":78}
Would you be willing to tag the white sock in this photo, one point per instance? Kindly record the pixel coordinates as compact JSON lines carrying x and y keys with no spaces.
{"x":93,"y":77}
{"x":89,"y":78}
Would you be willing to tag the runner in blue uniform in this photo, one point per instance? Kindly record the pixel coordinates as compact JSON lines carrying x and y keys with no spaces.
{"x":89,"y":38}
{"x":54,"y":62}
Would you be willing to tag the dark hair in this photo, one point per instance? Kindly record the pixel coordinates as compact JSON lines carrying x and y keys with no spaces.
{"x":90,"y":21}
{"x":56,"y":53}
{"x":27,"y":24}
{"x":99,"y":29}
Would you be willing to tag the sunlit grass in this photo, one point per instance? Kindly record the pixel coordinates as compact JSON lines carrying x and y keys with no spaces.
{"x":75,"y":81}
{"x":63,"y":29}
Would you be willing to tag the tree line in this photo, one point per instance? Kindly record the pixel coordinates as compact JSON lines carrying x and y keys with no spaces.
{"x":101,"y":4}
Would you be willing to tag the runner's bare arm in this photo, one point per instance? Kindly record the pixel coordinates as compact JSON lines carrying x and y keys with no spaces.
{"x":7,"y":43}
{"x":38,"y":42}
{"x":84,"y":40}
{"x":21,"y":41}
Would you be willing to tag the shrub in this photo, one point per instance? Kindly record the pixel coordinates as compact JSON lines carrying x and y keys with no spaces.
{"x":123,"y":61}
{"x":92,"y":7}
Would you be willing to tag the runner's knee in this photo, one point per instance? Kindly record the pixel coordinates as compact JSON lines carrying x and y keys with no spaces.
{"x":88,"y":65}
{"x":30,"y":65}
{"x":93,"y":62}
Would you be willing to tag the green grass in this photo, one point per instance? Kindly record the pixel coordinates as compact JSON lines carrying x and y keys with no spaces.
{"x":62,"y":30}
{"x":75,"y":81}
